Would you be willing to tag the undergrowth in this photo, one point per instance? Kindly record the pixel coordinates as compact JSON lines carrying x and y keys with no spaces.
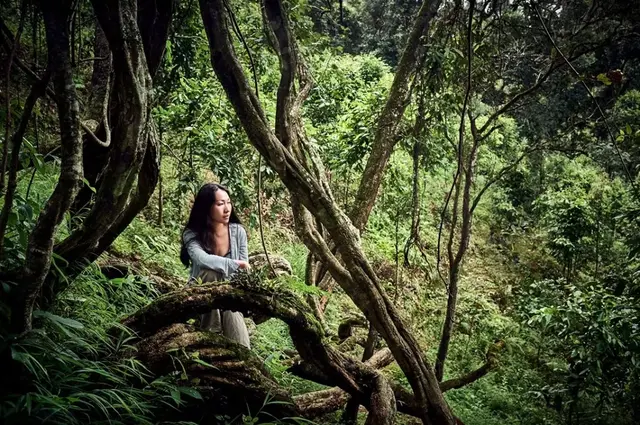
{"x":81,"y":374}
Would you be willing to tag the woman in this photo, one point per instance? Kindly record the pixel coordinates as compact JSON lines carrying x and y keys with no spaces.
{"x":215,"y":244}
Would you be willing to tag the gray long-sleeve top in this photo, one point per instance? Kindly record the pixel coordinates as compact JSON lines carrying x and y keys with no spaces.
{"x":226,"y":266}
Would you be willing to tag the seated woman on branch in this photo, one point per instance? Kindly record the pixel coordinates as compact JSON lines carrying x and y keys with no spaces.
{"x":214,"y":243}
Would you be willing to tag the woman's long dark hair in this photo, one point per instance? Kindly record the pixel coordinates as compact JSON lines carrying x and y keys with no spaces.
{"x":200,"y":218}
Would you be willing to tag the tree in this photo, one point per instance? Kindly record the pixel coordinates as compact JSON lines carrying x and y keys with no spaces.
{"x":127,"y":165}
{"x":285,"y":152}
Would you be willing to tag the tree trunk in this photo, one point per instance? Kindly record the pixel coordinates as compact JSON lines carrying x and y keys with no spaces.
{"x":387,"y":128}
{"x":134,"y":150}
{"x":464,"y":176}
{"x":132,"y":90}
{"x":249,"y":296}
{"x":415,"y":203}
{"x":230,"y":378}
{"x":356,"y":277}
{"x":350,"y":414}
{"x":40,"y":247}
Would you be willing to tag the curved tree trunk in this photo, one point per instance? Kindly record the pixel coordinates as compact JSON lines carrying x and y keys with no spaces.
{"x":238,"y":376}
{"x":40,"y":247}
{"x":132,"y":95}
{"x":249,"y":296}
{"x":230,"y":378}
{"x":308,"y":187}
{"x":134,"y":151}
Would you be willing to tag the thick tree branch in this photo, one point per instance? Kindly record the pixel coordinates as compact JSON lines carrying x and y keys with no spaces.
{"x":250,"y":296}
{"x":154,"y":21}
{"x":322,"y":402}
{"x":130,"y":126}
{"x":490,"y":364}
{"x":229,"y":377}
{"x":387,"y":127}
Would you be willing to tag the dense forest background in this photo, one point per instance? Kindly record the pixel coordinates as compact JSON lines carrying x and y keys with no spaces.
{"x":447,"y":192}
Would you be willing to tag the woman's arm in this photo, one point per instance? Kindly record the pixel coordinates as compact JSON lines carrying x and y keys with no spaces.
{"x":243,"y":251}
{"x":199,"y":256}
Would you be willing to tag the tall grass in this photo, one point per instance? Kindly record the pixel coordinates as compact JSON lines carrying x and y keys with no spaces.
{"x":77,"y":371}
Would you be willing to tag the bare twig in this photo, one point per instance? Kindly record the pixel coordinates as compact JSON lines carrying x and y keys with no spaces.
{"x":238,"y":32}
{"x":7,"y":132}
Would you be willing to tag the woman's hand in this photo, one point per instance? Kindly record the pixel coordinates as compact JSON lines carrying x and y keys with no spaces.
{"x":244,"y":265}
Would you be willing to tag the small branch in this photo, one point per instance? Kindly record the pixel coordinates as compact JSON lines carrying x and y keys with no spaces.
{"x":488,"y":133}
{"x":500,"y":174}
{"x":37,"y":91}
{"x":238,"y":32}
{"x":7,"y":132}
{"x":466,"y":219}
{"x":471,"y":377}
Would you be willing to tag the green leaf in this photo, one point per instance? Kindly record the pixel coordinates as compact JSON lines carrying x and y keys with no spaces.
{"x":86,"y":182}
{"x":175,"y":395}
{"x":604,"y":79}
{"x":65,"y":321}
{"x":191,"y":392}
{"x":458,"y":52}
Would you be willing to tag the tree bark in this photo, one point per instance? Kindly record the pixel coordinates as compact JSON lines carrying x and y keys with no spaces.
{"x":132,"y":91}
{"x":322,"y":402}
{"x":40,"y":247}
{"x":350,"y":414}
{"x":415,"y":203}
{"x":230,"y":378}
{"x":97,"y":117}
{"x":154,"y":21}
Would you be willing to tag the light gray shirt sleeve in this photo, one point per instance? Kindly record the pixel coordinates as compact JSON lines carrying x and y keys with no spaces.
{"x":199,"y":256}
{"x":243,"y":251}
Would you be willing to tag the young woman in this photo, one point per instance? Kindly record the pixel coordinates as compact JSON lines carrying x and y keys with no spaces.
{"x":215,"y":244}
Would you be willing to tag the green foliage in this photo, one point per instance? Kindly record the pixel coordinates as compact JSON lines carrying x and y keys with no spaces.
{"x":596,"y":333}
{"x":78,"y":372}
{"x":343,"y":106}
{"x":553,"y":265}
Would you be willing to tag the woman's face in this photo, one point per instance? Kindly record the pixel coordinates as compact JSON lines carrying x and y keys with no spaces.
{"x":221,"y":208}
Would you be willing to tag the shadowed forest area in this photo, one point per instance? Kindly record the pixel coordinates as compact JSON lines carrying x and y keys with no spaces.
{"x":441,"y":198}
